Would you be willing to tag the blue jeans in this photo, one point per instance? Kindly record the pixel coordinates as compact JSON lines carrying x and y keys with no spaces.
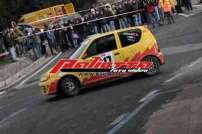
{"x":75,"y":43}
{"x":161,"y":14}
{"x":112,"y":25}
{"x":122,"y":23}
{"x":157,"y":16}
{"x":105,"y":28}
{"x":137,"y":19}
{"x":95,"y":29}
{"x":152,"y":19}
{"x":12,"y":53}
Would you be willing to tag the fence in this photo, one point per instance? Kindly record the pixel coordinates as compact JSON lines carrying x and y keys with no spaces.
{"x":70,"y":35}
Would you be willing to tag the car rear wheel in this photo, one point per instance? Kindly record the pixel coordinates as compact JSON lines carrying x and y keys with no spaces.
{"x":155,"y":68}
{"x":68,"y":87}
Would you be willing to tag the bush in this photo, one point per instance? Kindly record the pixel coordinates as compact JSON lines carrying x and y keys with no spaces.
{"x":2,"y":50}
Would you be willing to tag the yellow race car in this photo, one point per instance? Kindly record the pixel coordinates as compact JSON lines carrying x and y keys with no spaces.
{"x":133,"y":44}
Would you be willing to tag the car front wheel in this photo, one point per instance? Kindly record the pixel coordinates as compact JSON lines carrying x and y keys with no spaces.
{"x":68,"y":87}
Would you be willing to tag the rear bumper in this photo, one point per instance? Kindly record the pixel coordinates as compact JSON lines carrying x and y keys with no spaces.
{"x":161,"y":58}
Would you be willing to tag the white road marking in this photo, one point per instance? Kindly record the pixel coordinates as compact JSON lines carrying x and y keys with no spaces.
{"x":195,"y":11}
{"x":118,"y":119}
{"x":29,"y":85}
{"x":150,"y":94}
{"x":173,"y":78}
{"x":194,"y":63}
{"x":183,"y":70}
{"x":184,"y":15}
{"x":2,"y":122}
{"x":2,"y":92}
{"x":24,"y":81}
{"x":117,"y":127}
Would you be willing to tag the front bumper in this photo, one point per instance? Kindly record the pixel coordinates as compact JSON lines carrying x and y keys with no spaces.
{"x":48,"y":87}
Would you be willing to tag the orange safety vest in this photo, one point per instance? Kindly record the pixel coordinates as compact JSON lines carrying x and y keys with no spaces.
{"x":167,"y":6}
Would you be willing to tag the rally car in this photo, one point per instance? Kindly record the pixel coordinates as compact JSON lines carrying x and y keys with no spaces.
{"x":130,"y":44}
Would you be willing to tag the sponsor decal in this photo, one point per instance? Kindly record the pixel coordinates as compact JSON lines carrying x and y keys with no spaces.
{"x":101,"y":66}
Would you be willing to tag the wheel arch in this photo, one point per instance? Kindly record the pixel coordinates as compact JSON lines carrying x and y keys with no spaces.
{"x":66,"y":76}
{"x":152,"y":56}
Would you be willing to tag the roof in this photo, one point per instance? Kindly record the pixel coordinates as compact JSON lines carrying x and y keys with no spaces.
{"x":115,"y":31}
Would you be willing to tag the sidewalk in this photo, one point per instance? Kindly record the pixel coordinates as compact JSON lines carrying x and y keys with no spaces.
{"x":13,"y":72}
{"x":181,"y":116}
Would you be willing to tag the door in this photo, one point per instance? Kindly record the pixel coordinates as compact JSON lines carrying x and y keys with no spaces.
{"x":103,"y":47}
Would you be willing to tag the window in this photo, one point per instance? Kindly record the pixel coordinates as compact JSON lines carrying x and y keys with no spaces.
{"x":101,"y":45}
{"x":131,"y":37}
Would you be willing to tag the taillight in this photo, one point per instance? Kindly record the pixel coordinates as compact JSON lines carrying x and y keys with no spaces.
{"x":159,"y":50}
{"x":157,"y":47}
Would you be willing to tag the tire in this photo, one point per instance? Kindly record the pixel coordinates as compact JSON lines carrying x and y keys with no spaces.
{"x":155,"y":69}
{"x":68,"y":87}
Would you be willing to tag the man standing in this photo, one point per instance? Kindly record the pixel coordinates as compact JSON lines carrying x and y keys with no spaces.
{"x":167,"y":8}
{"x":9,"y":42}
{"x":188,"y":5}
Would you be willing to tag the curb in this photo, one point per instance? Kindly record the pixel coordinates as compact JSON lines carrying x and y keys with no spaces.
{"x":23,"y":73}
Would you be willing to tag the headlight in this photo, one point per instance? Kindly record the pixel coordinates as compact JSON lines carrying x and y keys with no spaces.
{"x":45,"y":77}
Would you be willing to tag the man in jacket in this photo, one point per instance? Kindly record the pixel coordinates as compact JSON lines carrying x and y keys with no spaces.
{"x":9,"y":42}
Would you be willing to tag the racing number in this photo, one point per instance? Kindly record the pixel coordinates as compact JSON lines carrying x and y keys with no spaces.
{"x":107,"y":58}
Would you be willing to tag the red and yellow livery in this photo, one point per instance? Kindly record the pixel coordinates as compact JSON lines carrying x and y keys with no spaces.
{"x":131,"y":44}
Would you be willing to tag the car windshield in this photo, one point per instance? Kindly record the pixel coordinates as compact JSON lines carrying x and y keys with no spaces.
{"x":80,"y":50}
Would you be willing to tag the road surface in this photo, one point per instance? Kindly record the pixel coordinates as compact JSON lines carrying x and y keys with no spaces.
{"x":121,"y":106}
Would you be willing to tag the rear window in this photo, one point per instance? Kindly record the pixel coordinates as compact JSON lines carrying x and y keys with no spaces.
{"x":130,"y":37}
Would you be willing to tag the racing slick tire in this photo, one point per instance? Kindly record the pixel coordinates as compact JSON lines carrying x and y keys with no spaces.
{"x":155,"y":68}
{"x":68,"y":87}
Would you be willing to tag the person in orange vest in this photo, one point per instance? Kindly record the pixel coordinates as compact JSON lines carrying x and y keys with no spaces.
{"x":161,"y":12}
{"x":167,"y":8}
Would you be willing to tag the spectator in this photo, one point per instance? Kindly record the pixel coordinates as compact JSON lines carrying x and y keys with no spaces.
{"x":109,"y":13}
{"x":61,"y":39}
{"x":49,"y":37}
{"x":137,"y":16}
{"x":122,"y":19}
{"x":151,"y":13}
{"x":104,"y":22}
{"x":161,"y":13}
{"x":156,"y":10}
{"x":174,"y":4}
{"x":188,"y":5}
{"x":43,"y":46}
{"x":37,"y":44}
{"x":9,"y":42}
{"x":68,"y":34}
{"x":86,"y":27}
{"x":93,"y":17}
{"x":167,"y":7}
{"x":116,"y":19}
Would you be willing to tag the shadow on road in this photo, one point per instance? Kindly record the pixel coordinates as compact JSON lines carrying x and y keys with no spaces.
{"x":104,"y":85}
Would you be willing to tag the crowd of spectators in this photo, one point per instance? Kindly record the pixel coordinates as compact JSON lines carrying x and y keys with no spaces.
{"x":60,"y":36}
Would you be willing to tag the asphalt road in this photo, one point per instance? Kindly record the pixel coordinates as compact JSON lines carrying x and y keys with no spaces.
{"x":100,"y":109}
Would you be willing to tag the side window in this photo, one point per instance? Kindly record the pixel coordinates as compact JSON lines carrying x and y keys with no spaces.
{"x":101,"y":45}
{"x":131,"y":37}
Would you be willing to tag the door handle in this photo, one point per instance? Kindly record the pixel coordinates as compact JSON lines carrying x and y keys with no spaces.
{"x":117,"y":53}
